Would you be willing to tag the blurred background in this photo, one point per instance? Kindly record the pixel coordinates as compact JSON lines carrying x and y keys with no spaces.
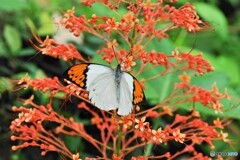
{"x":219,"y":44}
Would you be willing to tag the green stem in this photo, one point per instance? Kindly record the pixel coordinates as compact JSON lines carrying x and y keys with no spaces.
{"x":119,"y":140}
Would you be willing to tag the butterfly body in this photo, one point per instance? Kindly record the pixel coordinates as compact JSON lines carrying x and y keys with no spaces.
{"x":108,"y":88}
{"x":118,"y":81}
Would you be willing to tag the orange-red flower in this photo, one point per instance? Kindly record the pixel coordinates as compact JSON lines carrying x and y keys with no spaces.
{"x":158,"y":136}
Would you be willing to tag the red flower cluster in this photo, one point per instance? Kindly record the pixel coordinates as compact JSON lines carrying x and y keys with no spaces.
{"x":155,"y":58}
{"x":53,"y":85}
{"x":210,"y":98}
{"x":186,"y":17}
{"x":28,"y":127}
{"x":136,"y":31}
{"x":118,"y":136}
{"x":196,"y":62}
{"x":51,"y":48}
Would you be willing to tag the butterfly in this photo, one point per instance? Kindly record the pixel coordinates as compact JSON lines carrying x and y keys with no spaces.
{"x":108,"y":88}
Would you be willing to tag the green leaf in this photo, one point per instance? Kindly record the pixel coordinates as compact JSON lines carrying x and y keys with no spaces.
{"x":26,"y":52}
{"x":98,"y":8}
{"x":12,"y":38}
{"x":73,"y":142}
{"x":207,"y":80}
{"x":159,"y":88}
{"x":30,"y":24}
{"x":3,"y":49}
{"x":230,"y":66}
{"x":213,"y":16}
{"x":5,"y":84}
{"x":40,"y":74}
{"x":165,"y":45}
{"x":12,"y":5}
{"x":98,"y":59}
{"x":47,"y":23}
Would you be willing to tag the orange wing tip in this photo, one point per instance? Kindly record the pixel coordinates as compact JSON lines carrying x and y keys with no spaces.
{"x":77,"y":74}
{"x":138,"y":94}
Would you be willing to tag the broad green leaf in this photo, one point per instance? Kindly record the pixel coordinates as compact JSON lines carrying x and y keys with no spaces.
{"x":12,"y":38}
{"x":213,"y":16}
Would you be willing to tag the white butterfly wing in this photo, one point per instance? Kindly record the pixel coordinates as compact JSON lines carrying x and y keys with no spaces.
{"x":126,"y":94}
{"x":95,"y":70}
{"x":102,"y":87}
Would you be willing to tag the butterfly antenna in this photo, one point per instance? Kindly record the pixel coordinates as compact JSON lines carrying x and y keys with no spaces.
{"x":115,"y":55}
{"x":34,"y":46}
{"x":36,"y":54}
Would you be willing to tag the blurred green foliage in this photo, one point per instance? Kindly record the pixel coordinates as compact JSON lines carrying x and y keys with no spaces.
{"x":219,"y":43}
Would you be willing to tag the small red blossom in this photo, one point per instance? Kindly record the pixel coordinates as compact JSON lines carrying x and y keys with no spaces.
{"x":185,"y":81}
{"x":128,"y":63}
{"x":109,"y":25}
{"x":158,"y":136}
{"x":152,"y":113}
{"x":75,"y":157}
{"x":139,"y":158}
{"x":107,"y":54}
{"x":141,"y":124}
{"x":179,"y":137}
{"x":167,"y":110}
{"x":224,"y":136}
{"x":127,"y":121}
{"x":116,"y":157}
{"x":218,"y":123}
